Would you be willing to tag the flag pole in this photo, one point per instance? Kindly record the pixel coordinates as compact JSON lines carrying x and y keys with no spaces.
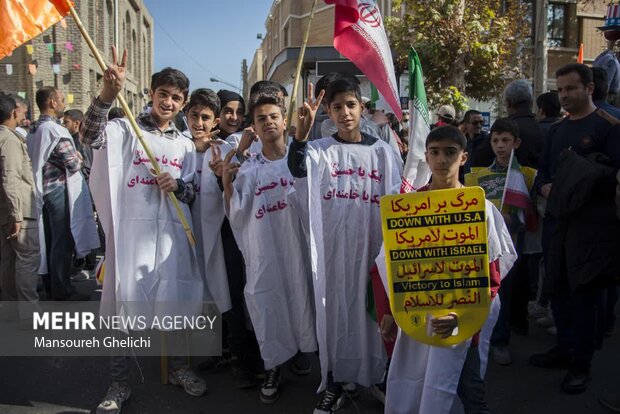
{"x":512,"y":157}
{"x":300,"y":62}
{"x":132,"y":121}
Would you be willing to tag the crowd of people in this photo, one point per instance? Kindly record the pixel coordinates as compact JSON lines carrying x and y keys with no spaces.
{"x":284,"y":248}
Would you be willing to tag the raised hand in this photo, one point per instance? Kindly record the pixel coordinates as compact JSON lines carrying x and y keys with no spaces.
{"x":307,"y":113}
{"x":229,"y":168}
{"x":216,"y":164}
{"x":113,"y":77}
{"x":202,"y":145}
{"x":247,"y":138}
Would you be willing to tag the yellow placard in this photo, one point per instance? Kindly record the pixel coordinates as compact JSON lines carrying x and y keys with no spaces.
{"x":436,"y":253}
{"x":69,"y":98}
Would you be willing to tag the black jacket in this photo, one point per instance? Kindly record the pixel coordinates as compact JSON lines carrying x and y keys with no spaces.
{"x":532,"y":137}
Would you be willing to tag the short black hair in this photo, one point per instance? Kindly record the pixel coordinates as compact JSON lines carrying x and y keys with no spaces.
{"x":343,"y":82}
{"x":447,"y":133}
{"x":204,"y":97}
{"x":44,"y":95}
{"x":170,"y":77}
{"x":266,"y":98}
{"x":322,"y":83}
{"x":7,"y":106}
{"x":116,"y":112}
{"x":468,"y":114}
{"x":601,"y":87}
{"x":505,"y":125}
{"x":584,"y":72}
{"x":75,"y":114}
{"x":262,"y":85}
{"x":549,"y":103}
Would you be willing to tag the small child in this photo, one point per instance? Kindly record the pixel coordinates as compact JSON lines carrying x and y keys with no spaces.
{"x":424,"y":378}
{"x":516,"y":212}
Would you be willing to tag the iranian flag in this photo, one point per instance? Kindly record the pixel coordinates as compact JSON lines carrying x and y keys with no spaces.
{"x":416,"y":172}
{"x":21,"y":20}
{"x":516,"y":193}
{"x":360,"y":37}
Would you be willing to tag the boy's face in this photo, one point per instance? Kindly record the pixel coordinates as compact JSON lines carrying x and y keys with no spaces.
{"x":445,"y":158}
{"x":503,"y":143}
{"x":269,"y":123}
{"x":201,"y":120}
{"x":231,"y":117}
{"x":345,"y":110}
{"x":167,"y":102}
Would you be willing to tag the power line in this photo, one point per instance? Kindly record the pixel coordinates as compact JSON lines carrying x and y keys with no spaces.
{"x":192,"y":58}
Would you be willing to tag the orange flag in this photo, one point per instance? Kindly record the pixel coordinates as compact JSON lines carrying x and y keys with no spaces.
{"x":580,"y":55}
{"x":21,"y":20}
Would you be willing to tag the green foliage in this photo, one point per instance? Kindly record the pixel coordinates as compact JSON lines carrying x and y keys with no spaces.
{"x":468,"y":48}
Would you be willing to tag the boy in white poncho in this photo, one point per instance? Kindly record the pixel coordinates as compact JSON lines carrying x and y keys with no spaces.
{"x":151,"y":267}
{"x":342,"y":178}
{"x":270,"y":236}
{"x":424,"y":379}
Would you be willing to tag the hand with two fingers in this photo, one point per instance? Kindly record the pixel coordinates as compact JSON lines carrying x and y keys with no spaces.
{"x":307,"y":113}
{"x":114,"y":77}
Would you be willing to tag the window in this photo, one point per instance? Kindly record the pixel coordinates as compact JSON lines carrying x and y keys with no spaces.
{"x":556,"y":25}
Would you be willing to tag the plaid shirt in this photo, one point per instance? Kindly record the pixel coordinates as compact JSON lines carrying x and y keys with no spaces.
{"x":93,"y":135}
{"x":62,"y":161}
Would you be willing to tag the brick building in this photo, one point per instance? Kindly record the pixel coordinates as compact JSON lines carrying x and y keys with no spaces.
{"x":62,"y":58}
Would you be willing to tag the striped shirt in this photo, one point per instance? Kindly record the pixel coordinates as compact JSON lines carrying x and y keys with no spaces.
{"x":62,"y":161}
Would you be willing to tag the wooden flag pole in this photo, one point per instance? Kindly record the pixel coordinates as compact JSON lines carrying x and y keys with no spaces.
{"x":132,"y":121}
{"x":300,"y":62}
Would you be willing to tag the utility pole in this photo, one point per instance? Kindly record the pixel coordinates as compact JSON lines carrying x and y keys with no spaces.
{"x":244,"y":79}
{"x":540,"y":47}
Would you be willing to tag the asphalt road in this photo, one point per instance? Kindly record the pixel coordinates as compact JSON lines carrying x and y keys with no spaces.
{"x":30,"y":385}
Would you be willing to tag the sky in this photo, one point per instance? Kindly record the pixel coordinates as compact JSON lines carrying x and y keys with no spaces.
{"x":207,"y":38}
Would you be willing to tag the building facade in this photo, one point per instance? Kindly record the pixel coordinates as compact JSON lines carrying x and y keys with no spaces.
{"x":60,"y":57}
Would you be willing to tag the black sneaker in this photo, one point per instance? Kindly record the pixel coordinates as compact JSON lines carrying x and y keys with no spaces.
{"x":270,"y":390}
{"x":330,"y":402}
{"x":576,"y":383}
{"x":556,"y":357}
{"x":300,"y":364}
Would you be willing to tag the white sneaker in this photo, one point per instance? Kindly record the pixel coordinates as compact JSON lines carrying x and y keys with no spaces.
{"x":117,"y":394}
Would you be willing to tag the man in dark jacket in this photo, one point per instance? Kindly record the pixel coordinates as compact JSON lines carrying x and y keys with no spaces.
{"x":584,"y":242}
{"x":518,"y":98}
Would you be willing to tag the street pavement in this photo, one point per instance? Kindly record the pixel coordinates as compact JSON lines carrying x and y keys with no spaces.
{"x":64,"y":385}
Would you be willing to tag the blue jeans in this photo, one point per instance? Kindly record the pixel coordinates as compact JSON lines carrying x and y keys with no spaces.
{"x":59,"y":242}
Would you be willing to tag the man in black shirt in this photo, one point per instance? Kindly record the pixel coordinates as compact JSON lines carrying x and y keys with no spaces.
{"x":519,"y":99}
{"x":584,"y":242}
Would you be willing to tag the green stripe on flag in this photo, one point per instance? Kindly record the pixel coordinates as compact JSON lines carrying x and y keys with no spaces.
{"x":417,"y":93}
